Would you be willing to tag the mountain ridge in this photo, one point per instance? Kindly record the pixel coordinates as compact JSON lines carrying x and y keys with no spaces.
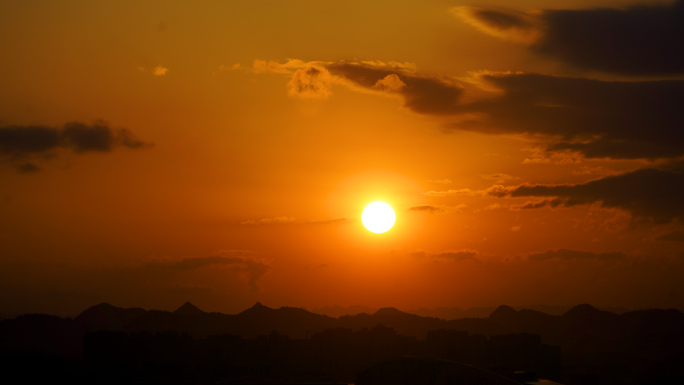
{"x":581,"y":330}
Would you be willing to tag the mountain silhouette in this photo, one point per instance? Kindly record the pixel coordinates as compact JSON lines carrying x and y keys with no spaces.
{"x":188,"y":309}
{"x":389,"y":312}
{"x":503,"y":313}
{"x":107,"y":317}
{"x":295,"y":322}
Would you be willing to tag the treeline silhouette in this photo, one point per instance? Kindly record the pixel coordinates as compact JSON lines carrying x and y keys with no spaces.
{"x":117,"y":345}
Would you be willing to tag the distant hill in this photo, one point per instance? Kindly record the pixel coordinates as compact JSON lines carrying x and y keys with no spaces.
{"x":338,"y":311}
{"x":450,"y":313}
{"x":107,"y":317}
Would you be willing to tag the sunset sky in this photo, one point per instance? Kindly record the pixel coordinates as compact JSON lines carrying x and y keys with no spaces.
{"x":221,"y":152}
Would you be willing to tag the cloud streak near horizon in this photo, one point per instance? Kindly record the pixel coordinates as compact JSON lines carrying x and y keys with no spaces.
{"x":241,"y":261}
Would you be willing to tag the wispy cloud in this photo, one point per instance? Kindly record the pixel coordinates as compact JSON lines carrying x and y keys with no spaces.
{"x":433,"y":209}
{"x":160,"y":71}
{"x":441,"y":181}
{"x":494,"y":191}
{"x":283,"y":221}
{"x":565,"y":254}
{"x":449,"y":255}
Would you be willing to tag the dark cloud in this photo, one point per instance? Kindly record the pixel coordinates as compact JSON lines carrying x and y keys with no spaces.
{"x":18,"y":143}
{"x":26,"y":168}
{"x":565,"y":254}
{"x":534,"y":205}
{"x":625,"y":120}
{"x":239,"y":261}
{"x":427,"y":208}
{"x":675,"y":236}
{"x":417,"y":254}
{"x":499,"y":177}
{"x":460,"y":255}
{"x":599,"y":119}
{"x":97,"y":137}
{"x":647,"y":193}
{"x":421,"y":94}
{"x":456,"y":256}
{"x":437,"y":209}
{"x":501,"y":22}
{"x":637,"y":40}
{"x":502,"y":19}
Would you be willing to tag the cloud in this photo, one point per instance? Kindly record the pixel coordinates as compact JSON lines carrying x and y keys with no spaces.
{"x":451,"y":255}
{"x":532,"y":205}
{"x":242,"y":261}
{"x":459,"y":255}
{"x":432,"y":209}
{"x":636,"y":40}
{"x":390,"y":83}
{"x":270,"y":221}
{"x":448,"y":193}
{"x":594,"y":118}
{"x":675,"y":236}
{"x":27,"y":168}
{"x":495,"y":191}
{"x":313,"y":82}
{"x":421,"y":94}
{"x":572,"y":117}
{"x":649,"y":193}
{"x":441,"y":181}
{"x":279,"y":221}
{"x":291,"y":65}
{"x":601,"y":171}
{"x":568,"y":255}
{"x":18,"y":143}
{"x":427,"y":208}
{"x":498,"y":177}
{"x":160,"y":71}
{"x":599,"y":119}
{"x":234,"y":67}
{"x":227,"y":68}
{"x":504,"y":23}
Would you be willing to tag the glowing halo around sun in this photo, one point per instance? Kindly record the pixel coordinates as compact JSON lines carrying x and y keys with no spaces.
{"x":378,"y":217}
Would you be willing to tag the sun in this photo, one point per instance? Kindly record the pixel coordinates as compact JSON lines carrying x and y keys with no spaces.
{"x":378,"y":217}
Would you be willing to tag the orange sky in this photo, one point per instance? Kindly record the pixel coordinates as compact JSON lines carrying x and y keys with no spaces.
{"x":221,"y":152}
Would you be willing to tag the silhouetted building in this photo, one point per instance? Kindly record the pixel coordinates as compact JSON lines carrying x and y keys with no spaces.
{"x":428,"y":371}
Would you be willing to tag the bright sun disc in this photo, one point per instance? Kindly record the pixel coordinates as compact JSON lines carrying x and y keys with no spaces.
{"x":378,"y":217}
